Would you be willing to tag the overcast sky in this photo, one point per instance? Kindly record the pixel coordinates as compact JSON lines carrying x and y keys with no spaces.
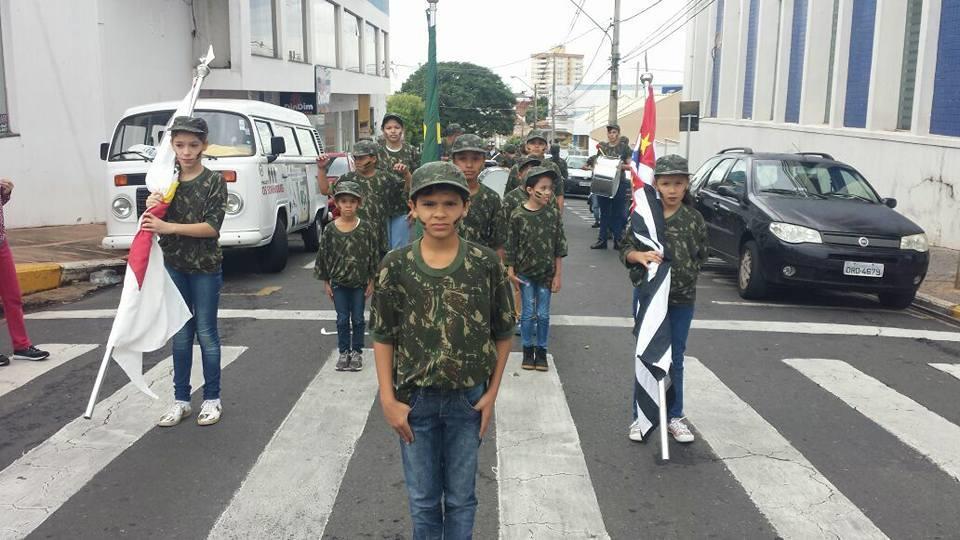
{"x":502,"y":34}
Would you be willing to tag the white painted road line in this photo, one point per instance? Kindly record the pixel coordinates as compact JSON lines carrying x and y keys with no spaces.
{"x":877,"y":309}
{"x":794,"y":496}
{"x":543,"y":481}
{"x":952,"y":369}
{"x":33,"y":487}
{"x":310,"y":265}
{"x":777,"y":327}
{"x":918,"y":427}
{"x":294,"y":484}
{"x":20,"y":372}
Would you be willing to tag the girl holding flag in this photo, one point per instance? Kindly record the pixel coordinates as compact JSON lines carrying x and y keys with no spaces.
{"x":188,"y":237}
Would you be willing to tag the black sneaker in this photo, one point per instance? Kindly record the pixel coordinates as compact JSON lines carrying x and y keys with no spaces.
{"x":616,"y":245}
{"x":528,"y":360}
{"x":596,"y":225}
{"x":601,"y":244}
{"x":30,"y":353}
{"x":4,"y":361}
{"x":540,"y":361}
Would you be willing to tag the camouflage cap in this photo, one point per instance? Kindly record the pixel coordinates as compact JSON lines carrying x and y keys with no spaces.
{"x":510,"y":148}
{"x":528,"y":160}
{"x":189,"y":124}
{"x":391,"y":116}
{"x":347,"y":187}
{"x":611,"y":127}
{"x":436,"y":173}
{"x":364,"y":148}
{"x":671,"y":164}
{"x":536,"y":134}
{"x":467,"y":143}
{"x":533,"y":174}
{"x":452,"y":129}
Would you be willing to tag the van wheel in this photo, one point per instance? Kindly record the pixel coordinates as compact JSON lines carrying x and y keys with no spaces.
{"x":311,"y":235}
{"x":273,"y":256}
{"x":897,"y":299}
{"x":750,"y":281}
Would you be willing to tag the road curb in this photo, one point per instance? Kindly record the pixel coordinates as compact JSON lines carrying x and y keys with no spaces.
{"x":37,"y":277}
{"x":936,"y":305}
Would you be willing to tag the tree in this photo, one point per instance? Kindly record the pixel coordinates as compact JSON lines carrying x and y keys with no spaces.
{"x":543,"y":110}
{"x":470,"y":95}
{"x":410,"y":108}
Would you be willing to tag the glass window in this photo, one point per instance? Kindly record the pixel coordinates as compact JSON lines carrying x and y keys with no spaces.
{"x":370,"y":49}
{"x":293,"y":34}
{"x":290,"y":139}
{"x":908,"y":70}
{"x":736,"y":179}
{"x":350,"y":41}
{"x":818,"y":180}
{"x":696,"y":181}
{"x":4,"y":116}
{"x":263,"y":40}
{"x":266,"y":133}
{"x":308,"y":144}
{"x":381,"y":59}
{"x":137,"y":136}
{"x":385,"y":53}
{"x":324,"y":32}
{"x":717,"y":174}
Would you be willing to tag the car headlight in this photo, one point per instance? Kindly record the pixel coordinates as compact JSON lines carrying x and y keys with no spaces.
{"x":916,"y":242}
{"x":122,"y":207}
{"x":795,"y":234}
{"x":234,"y":203}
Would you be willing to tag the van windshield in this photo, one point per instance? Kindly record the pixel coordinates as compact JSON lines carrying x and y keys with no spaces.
{"x":137,"y":136}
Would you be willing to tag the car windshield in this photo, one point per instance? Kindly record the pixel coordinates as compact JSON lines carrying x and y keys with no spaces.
{"x":575,"y":162}
{"x":812,"y":179}
{"x":137,"y":136}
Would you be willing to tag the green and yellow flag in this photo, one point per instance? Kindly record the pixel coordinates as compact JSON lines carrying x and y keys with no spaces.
{"x":431,"y":113}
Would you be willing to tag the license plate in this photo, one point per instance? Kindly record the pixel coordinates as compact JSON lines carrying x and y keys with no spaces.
{"x":862,"y":269}
{"x":586,"y":184}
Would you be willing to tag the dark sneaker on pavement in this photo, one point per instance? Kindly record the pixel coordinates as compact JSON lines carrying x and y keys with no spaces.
{"x":4,"y":361}
{"x":30,"y":353}
{"x":680,"y":430}
{"x":356,"y":361}
{"x":528,"y":360}
{"x":599,"y":245}
{"x":596,"y":225}
{"x":343,"y":363}
{"x":540,"y":360}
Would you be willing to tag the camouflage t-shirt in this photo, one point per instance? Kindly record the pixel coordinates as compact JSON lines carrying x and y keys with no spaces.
{"x":201,"y":200}
{"x":534,"y":241}
{"x":514,"y":179}
{"x":443,"y":323}
{"x":482,"y":222}
{"x":511,"y":201}
{"x":687,"y":246}
{"x":376,"y":192}
{"x":561,"y":166}
{"x":349,"y":258}
{"x":506,"y":161}
{"x":386,"y":159}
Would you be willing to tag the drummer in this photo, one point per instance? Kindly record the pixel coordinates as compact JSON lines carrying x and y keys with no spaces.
{"x":613,"y":209}
{"x":536,"y":145}
{"x":481,"y":223}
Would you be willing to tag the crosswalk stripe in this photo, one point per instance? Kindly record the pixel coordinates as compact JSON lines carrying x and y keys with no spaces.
{"x":33,"y":487}
{"x":952,"y":369}
{"x":20,"y":372}
{"x":794,"y":496}
{"x":294,"y":484}
{"x":918,"y":427}
{"x":544,"y":485}
{"x":309,"y":265}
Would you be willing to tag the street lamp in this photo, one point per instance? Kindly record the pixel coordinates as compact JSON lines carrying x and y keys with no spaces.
{"x":535,"y":104}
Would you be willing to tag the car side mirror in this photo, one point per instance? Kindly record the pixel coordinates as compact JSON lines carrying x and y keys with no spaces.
{"x":890,"y":202}
{"x":104,"y":151}
{"x":277,"y":146}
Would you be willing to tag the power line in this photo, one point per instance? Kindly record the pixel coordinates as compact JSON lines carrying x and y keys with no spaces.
{"x":647,"y":45}
{"x":641,"y":12}
{"x":573,"y":21}
{"x":589,"y":17}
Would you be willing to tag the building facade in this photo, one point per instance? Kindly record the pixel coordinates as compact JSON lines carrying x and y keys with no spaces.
{"x":69,"y":68}
{"x":875,"y":83}
{"x":568,"y":68}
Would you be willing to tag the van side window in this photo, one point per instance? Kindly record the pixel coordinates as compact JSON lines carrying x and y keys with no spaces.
{"x":290,"y":138}
{"x":265,"y":132}
{"x":308,"y":144}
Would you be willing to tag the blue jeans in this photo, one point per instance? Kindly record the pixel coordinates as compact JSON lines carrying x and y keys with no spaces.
{"x":595,"y":207}
{"x":349,"y":303}
{"x":399,"y":231}
{"x":440,"y":465}
{"x":534,"y":313}
{"x":201,"y":292}
{"x":680,"y":316}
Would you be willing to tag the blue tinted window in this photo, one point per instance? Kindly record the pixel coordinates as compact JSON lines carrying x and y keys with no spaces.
{"x":945,"y":114}
{"x":860,"y":63}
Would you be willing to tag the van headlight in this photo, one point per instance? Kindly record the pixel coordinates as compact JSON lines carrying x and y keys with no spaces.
{"x":234,"y":204}
{"x":122,"y":207}
{"x":916,"y":242}
{"x":795,"y":234}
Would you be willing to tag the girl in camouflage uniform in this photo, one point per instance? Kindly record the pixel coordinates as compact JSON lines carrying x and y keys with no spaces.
{"x":397,"y":156}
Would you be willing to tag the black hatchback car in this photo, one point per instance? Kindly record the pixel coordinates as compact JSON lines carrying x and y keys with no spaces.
{"x":807,"y":220}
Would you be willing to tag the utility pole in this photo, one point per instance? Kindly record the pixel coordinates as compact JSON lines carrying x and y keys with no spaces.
{"x":614,"y":63}
{"x":553,"y":102}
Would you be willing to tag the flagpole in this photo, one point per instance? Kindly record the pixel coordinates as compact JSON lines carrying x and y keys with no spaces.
{"x":664,"y":447}
{"x":96,"y":385}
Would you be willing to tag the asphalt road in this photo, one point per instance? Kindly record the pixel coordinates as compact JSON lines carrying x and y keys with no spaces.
{"x":852,"y":436}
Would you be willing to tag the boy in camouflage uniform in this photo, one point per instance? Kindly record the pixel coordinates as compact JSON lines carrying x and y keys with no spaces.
{"x":450,"y":134}
{"x":536,"y":145}
{"x":481,"y":224}
{"x":512,"y":200}
{"x":442,"y":323}
{"x":377,"y":187}
{"x":399,"y":157}
{"x":536,"y":245}
{"x":508,"y":158}
{"x":347,"y":262}
{"x":613,"y":210}
{"x":687,"y":247}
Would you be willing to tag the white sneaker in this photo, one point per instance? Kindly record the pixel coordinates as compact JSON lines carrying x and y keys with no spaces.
{"x":177,"y":412}
{"x":636,"y":433}
{"x":680,"y":431}
{"x":209,"y":412}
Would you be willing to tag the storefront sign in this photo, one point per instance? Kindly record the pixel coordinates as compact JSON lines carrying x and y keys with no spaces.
{"x":304,"y":102}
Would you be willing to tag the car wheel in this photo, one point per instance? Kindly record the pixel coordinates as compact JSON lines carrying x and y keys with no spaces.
{"x":750,"y":281}
{"x":897,"y":299}
{"x":273,"y":256}
{"x":311,"y":235}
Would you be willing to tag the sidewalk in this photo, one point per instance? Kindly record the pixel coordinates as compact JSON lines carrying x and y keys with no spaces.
{"x":49,"y":257}
{"x":938,"y":292}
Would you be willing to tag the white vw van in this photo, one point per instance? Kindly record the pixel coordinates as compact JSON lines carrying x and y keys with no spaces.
{"x":266,"y":153}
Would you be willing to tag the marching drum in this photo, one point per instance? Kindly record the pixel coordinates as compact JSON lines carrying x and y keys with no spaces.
{"x":606,"y":176}
{"x":495,"y":178}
